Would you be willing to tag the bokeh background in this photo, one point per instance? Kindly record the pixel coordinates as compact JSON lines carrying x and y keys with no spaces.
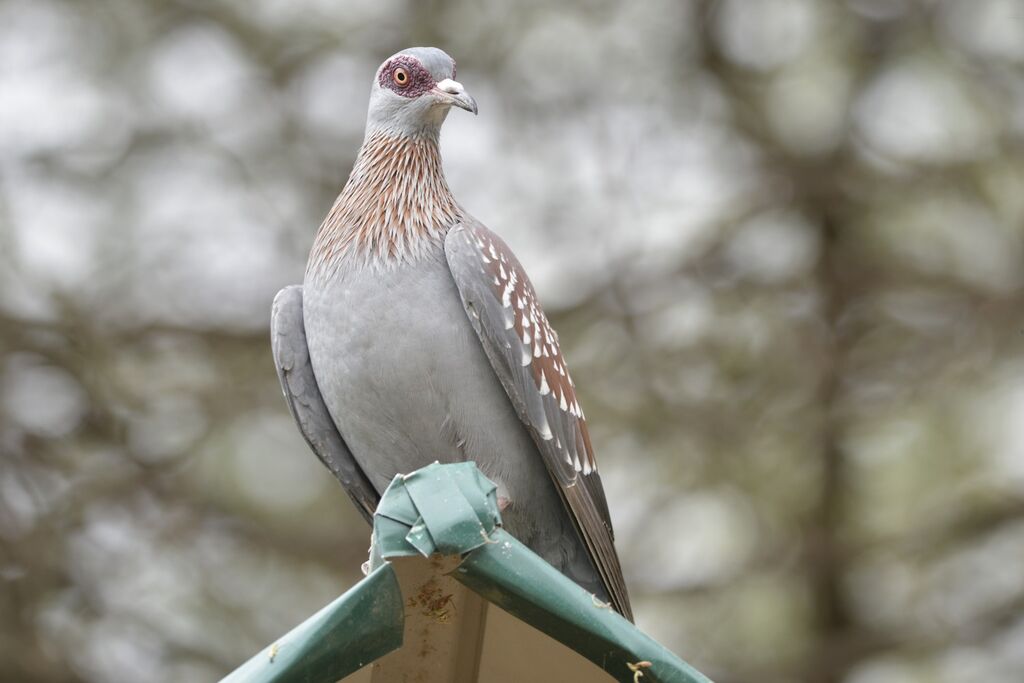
{"x":783,"y":241}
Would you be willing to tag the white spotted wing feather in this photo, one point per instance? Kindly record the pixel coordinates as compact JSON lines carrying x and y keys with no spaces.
{"x":525,"y":354}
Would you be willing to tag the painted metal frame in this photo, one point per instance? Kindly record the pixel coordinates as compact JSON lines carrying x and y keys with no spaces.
{"x":450,"y":511}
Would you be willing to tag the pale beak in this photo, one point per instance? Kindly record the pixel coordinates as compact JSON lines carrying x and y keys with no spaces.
{"x":453,"y":93}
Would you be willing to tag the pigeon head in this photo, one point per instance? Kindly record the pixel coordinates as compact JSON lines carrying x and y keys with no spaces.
{"x":413,"y":92}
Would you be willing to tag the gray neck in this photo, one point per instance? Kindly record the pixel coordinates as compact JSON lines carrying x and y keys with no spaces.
{"x":397,"y":116}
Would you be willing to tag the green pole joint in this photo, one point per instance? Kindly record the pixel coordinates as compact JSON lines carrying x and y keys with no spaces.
{"x":452,"y":510}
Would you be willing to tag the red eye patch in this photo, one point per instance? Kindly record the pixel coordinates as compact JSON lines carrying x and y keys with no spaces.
{"x":406,"y":76}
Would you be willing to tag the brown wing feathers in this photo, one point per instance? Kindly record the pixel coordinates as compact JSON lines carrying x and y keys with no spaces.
{"x":525,"y":353}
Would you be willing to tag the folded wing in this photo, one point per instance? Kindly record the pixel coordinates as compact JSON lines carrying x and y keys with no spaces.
{"x":291,"y":356}
{"x":524,"y":352}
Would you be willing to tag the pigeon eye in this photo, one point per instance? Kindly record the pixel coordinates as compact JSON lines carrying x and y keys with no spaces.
{"x":400,"y":77}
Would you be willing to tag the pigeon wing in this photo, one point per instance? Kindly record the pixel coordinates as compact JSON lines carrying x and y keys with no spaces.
{"x":524,"y":352}
{"x":301,"y":392}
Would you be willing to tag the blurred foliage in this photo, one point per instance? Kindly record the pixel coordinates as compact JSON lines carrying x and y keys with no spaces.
{"x":783,"y":241}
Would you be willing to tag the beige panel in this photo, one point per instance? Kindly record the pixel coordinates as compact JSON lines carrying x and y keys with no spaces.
{"x":361,"y":676}
{"x":454,"y":636}
{"x":443,"y":626}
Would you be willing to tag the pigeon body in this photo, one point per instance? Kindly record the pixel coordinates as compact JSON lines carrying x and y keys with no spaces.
{"x":403,"y":371}
{"x":416,"y":337}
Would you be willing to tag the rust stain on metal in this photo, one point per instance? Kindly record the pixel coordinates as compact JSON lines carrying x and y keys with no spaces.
{"x":433,"y":602}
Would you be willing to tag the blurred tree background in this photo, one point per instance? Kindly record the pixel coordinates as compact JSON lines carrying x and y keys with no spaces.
{"x":783,"y":241}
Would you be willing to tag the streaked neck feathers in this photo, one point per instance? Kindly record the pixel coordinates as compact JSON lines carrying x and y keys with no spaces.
{"x":394,"y":208}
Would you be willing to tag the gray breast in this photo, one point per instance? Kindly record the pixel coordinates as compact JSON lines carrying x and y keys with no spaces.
{"x":407,"y":383}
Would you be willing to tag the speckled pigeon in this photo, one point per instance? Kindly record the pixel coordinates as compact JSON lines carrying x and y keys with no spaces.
{"x":417,"y":337}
